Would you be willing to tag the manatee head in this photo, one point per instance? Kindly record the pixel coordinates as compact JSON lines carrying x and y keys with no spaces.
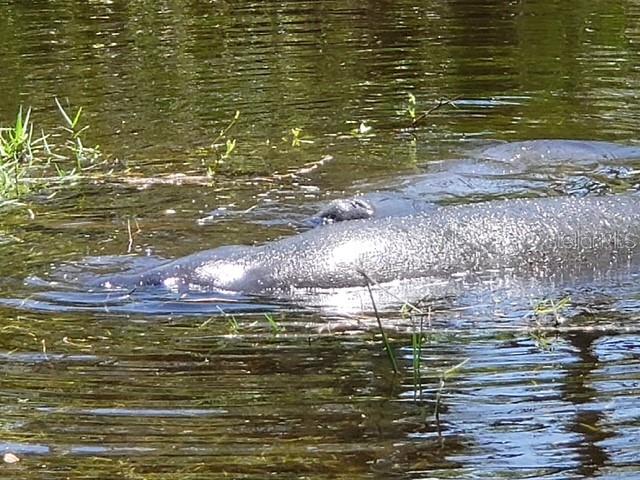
{"x":345,"y":209}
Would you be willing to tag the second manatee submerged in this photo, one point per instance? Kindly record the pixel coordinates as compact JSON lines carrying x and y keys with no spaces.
{"x":494,"y":171}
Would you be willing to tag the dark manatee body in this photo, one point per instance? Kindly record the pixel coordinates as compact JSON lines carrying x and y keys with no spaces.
{"x":493,"y":171}
{"x":552,"y":238}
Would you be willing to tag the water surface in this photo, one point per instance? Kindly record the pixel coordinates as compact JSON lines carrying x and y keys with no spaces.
{"x":104,"y":394}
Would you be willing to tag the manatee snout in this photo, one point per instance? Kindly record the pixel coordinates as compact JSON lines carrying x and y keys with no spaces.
{"x":343,"y":209}
{"x":228,"y":268}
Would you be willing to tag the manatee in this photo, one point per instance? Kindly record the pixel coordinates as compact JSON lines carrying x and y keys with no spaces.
{"x":556,"y":240}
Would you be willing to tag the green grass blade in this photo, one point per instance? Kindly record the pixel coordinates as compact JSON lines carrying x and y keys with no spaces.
{"x":63,"y":113}
{"x":17,"y":131}
{"x":76,"y":119}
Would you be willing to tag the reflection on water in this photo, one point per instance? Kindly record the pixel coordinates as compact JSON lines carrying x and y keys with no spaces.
{"x":113,"y":395}
{"x":185,"y":396}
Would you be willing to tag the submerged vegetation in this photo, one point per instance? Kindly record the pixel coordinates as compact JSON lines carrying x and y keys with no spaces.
{"x":222,"y":146}
{"x":16,"y":155}
{"x":31,"y":162}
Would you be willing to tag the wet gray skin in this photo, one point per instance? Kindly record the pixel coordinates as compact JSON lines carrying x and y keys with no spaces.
{"x":551,"y":238}
{"x":487,"y":171}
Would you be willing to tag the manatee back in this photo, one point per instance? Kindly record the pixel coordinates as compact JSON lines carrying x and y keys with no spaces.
{"x":560,"y":237}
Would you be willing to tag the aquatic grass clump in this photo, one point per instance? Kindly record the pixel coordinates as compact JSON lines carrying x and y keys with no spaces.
{"x":16,"y":155}
{"x":81,"y":154}
{"x":418,"y":340}
{"x":220,"y":141}
{"x":28,"y":163}
{"x":417,"y":119}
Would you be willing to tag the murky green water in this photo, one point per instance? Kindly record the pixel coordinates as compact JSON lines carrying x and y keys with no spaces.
{"x":115,"y":395}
